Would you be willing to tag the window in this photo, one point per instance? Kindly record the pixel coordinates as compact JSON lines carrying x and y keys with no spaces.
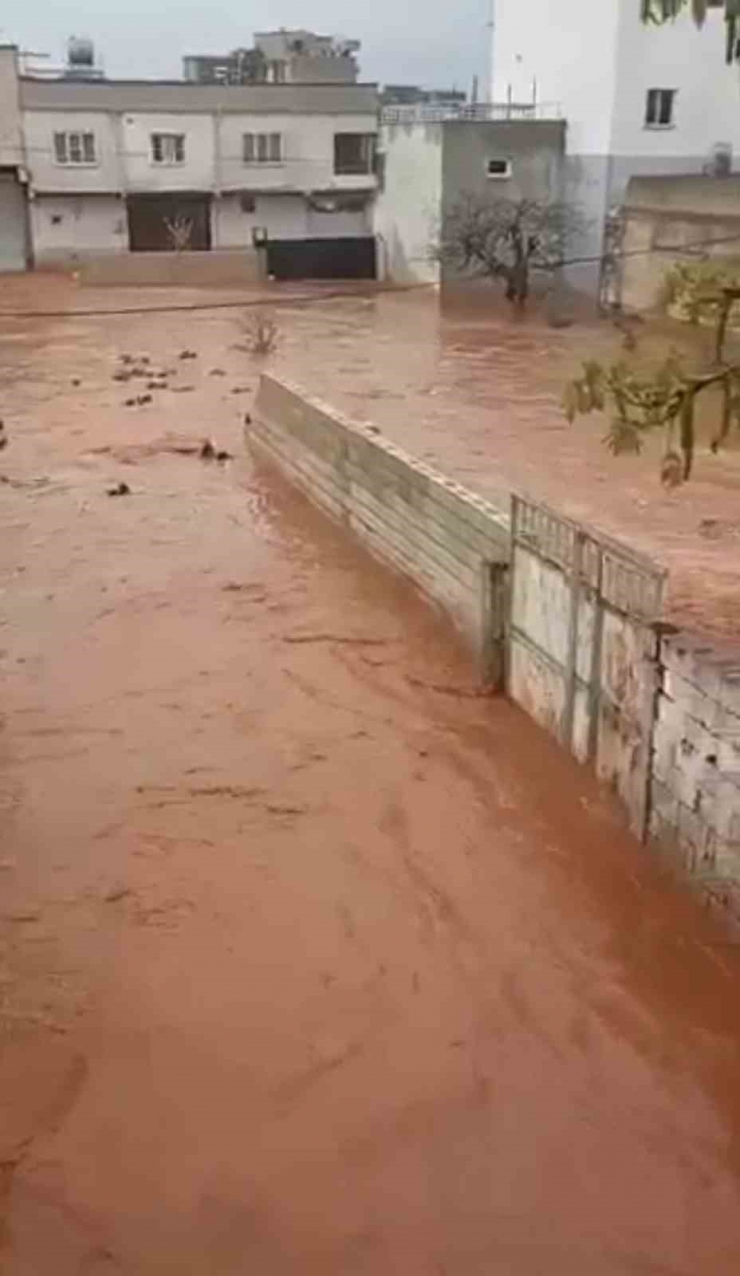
{"x":168,"y":148}
{"x":659,"y":112}
{"x":498,"y":169}
{"x":354,"y":153}
{"x":262,"y":148}
{"x":248,"y":203}
{"x":74,"y":148}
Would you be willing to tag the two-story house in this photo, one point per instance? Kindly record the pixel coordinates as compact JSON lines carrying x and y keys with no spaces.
{"x":639,"y":99}
{"x":112,"y":166}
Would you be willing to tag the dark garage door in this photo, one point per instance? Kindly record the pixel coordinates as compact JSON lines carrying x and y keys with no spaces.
{"x":148,"y":216}
{"x":351,"y":258}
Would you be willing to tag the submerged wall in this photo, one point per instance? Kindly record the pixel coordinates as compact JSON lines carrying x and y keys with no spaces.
{"x":189,"y":270}
{"x":654,"y":712}
{"x":448,"y":541}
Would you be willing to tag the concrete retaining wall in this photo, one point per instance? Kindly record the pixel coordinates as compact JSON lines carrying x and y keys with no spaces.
{"x":189,"y":270}
{"x":452,"y":544}
{"x":656,"y":716}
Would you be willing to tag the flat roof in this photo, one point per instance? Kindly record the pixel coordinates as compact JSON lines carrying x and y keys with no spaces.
{"x":172,"y":96}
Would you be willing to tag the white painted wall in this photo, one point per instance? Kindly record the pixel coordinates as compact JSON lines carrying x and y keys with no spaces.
{"x":564,"y":51}
{"x":213,"y":151}
{"x":47,"y":175}
{"x":198,"y":172}
{"x":675,"y":56}
{"x":308,"y":152}
{"x":68,"y":228}
{"x":285,"y":217}
{"x":213,"y":163}
{"x":408,"y":208}
{"x":598,"y":60}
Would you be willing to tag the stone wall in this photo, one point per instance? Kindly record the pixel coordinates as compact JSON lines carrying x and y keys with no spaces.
{"x":695,"y":799}
{"x":448,"y":541}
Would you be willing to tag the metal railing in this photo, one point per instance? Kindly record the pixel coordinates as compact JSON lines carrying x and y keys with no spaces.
{"x":438,"y":113}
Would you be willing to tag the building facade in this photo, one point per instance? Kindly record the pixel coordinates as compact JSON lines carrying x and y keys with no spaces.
{"x":108,"y":167}
{"x":431,"y":156}
{"x":279,"y":57}
{"x":638,"y":99}
{"x":15,"y":246}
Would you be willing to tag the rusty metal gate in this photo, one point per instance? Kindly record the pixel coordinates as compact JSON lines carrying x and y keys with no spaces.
{"x":582,"y":645}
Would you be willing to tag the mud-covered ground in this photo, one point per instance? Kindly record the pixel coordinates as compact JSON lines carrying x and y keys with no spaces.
{"x":312,"y":959}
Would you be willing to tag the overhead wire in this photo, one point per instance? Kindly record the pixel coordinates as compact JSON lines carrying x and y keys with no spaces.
{"x":367,"y":293}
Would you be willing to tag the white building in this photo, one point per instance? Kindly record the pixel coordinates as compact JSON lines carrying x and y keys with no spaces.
{"x":279,"y":57}
{"x":638,"y":99}
{"x":107,"y":164}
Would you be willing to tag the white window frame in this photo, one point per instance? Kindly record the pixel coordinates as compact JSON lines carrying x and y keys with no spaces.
{"x":498,"y":177}
{"x":654,"y":98}
{"x":75,"y":148}
{"x":171,"y":147}
{"x":263,"y":148}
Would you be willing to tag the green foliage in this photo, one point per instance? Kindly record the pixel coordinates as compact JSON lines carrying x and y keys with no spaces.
{"x":658,"y":12}
{"x":641,"y":400}
{"x":693,"y":290}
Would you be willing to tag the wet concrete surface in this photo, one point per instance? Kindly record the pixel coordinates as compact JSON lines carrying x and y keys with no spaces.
{"x":312,"y":958}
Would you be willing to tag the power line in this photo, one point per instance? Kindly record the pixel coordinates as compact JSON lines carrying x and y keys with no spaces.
{"x":244,"y":303}
{"x":685,"y":250}
{"x":338,"y":294}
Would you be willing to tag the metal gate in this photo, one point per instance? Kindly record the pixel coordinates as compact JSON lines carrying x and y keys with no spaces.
{"x":582,"y":656}
{"x":352,"y":257}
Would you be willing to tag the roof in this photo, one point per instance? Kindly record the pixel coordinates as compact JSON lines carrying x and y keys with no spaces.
{"x":172,"y":96}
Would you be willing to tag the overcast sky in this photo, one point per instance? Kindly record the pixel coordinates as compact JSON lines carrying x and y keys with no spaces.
{"x":414,"y":41}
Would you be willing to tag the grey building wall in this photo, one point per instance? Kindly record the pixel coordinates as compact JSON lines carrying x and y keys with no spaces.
{"x":535,"y":151}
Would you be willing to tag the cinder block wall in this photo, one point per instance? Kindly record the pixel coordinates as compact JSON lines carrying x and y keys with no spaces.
{"x":695,"y":800}
{"x":680,"y":757}
{"x":448,"y":541}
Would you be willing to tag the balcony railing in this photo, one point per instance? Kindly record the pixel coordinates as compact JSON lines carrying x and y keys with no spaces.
{"x":438,"y":113}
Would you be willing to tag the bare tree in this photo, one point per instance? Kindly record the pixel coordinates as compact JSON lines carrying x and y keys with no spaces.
{"x":260,"y":333}
{"x":507,"y":239}
{"x":180,"y":232}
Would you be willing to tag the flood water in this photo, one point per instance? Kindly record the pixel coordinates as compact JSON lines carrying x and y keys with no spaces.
{"x":312,"y":958}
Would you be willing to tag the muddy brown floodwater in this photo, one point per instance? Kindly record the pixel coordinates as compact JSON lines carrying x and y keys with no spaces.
{"x":312,"y":959}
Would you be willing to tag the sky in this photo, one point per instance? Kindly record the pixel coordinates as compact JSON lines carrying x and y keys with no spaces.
{"x":416,"y":42}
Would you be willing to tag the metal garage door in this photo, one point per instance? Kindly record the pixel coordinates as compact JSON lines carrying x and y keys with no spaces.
{"x":12,"y":223}
{"x":148,"y":216}
{"x":350,"y":258}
